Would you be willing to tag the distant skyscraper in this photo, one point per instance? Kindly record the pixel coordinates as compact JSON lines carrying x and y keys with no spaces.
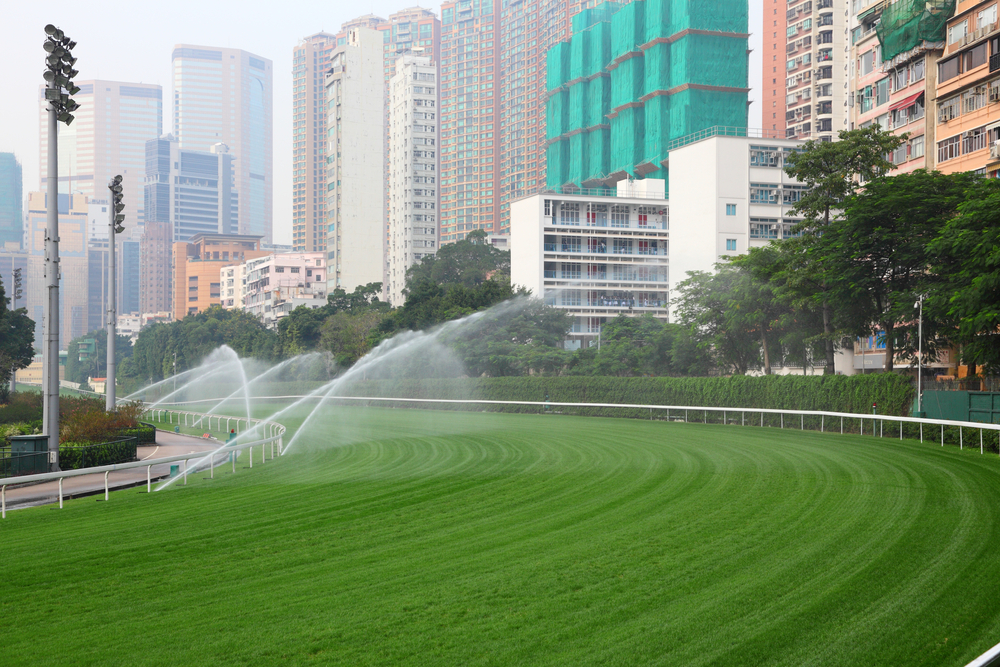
{"x":356,"y":166}
{"x":156,"y":273}
{"x":527,"y":31}
{"x":310,"y":61}
{"x":192,"y":190}
{"x":225,"y":96}
{"x":470,"y":115}
{"x":413,"y":187}
{"x":11,"y":194}
{"x":108,"y":137}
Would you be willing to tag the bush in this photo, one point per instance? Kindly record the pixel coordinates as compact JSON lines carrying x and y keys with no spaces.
{"x":91,"y":424}
{"x":832,"y":393}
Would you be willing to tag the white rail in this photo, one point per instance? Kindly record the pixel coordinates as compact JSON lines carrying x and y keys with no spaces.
{"x":274,"y":436}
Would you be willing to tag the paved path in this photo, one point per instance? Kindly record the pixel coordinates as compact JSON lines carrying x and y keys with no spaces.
{"x":167,"y":444}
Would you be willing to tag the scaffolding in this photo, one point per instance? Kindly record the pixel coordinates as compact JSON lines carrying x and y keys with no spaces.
{"x":633,"y":78}
{"x":907,"y":24}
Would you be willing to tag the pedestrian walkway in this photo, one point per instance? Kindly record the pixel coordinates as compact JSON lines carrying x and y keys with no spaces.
{"x":167,"y":444}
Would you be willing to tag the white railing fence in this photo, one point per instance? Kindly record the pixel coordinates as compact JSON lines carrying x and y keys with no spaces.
{"x":273,"y":434}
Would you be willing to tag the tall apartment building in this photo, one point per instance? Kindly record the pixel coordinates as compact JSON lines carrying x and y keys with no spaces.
{"x":156,"y":294}
{"x":195,"y":191}
{"x":470,"y":117}
{"x":108,"y":137}
{"x":414,"y":200}
{"x":355,"y":165}
{"x":895,"y":49}
{"x":310,"y":61}
{"x":968,"y":91}
{"x":527,"y":31}
{"x":635,"y":78}
{"x":11,"y":196}
{"x":225,"y":96}
{"x":272,"y":286}
{"x":806,"y":69}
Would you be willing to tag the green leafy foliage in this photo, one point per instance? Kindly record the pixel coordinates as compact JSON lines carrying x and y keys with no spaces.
{"x":17,"y":337}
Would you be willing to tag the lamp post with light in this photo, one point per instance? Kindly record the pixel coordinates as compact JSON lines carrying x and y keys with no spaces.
{"x":115,"y":220}
{"x":59,"y":86}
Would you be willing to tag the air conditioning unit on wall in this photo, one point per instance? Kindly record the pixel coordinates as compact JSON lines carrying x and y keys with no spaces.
{"x":995,"y":150}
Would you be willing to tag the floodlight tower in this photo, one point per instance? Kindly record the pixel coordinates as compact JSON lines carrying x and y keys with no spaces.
{"x":115,"y":220}
{"x":58,"y":75}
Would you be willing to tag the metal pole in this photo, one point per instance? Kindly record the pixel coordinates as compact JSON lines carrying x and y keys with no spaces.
{"x":920,"y":357}
{"x":112,"y":328}
{"x":105,"y":486}
{"x":50,"y":356}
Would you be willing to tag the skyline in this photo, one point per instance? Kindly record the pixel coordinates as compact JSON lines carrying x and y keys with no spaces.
{"x":252,"y":27}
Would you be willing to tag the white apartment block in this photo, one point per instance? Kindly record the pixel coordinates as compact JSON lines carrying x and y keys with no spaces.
{"x":414,"y":194}
{"x":728,"y":194}
{"x":594,"y":255}
{"x":270,"y":287}
{"x":355,"y":165}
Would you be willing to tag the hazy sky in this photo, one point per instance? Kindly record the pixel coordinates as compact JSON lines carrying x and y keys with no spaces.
{"x":133,"y":42}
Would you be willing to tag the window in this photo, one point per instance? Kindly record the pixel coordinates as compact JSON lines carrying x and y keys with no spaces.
{"x":765,"y":156}
{"x":763,"y":193}
{"x":730,"y":244}
{"x":279,"y":269}
{"x":916,"y":147}
{"x":974,"y":140}
{"x":763,"y":228}
{"x":949,"y":108}
{"x":986,"y":17}
{"x":949,"y":148}
{"x":973,"y":99}
{"x":867,"y":62}
{"x":882,"y":92}
{"x":949,"y":69}
{"x":622,"y":247}
{"x":730,"y":209}
{"x":619,"y":216}
{"x":900,"y":78}
{"x":569,"y":214}
{"x":899,"y":155}
{"x":975,"y":56}
{"x":957,"y":32}
{"x":571,"y":271}
{"x":917,"y":71}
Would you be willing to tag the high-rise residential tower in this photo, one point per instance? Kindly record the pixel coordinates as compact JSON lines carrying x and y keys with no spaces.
{"x":470,"y":117}
{"x":816,"y":55}
{"x":527,"y":31}
{"x":773,"y":69}
{"x":413,"y":189}
{"x":108,"y":137}
{"x":225,"y":96}
{"x":11,"y":195}
{"x":355,"y":171}
{"x":310,"y":62}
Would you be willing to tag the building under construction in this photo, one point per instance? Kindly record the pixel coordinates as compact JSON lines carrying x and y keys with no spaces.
{"x":634,"y":77}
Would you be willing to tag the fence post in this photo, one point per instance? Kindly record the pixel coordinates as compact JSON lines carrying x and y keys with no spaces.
{"x":685,"y":415}
{"x":881,"y":428}
{"x":921,"y":433}
{"x":782,"y":420}
{"x":250,"y":449}
{"x":900,"y":430}
{"x":185,"y":472}
{"x":725,"y":417}
{"x":803,"y":423}
{"x":106,"y":485}
{"x":743,"y":419}
{"x":841,"y":426}
{"x":149,"y":479}
{"x":3,"y":501}
{"x":60,"y":492}
{"x":961,"y":444}
{"x":942,"y":435}
{"x":232,"y":457}
{"x":822,"y":423}
{"x":980,"y":441}
{"x":762,"y":420}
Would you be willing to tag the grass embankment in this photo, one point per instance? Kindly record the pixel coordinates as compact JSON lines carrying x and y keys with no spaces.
{"x":419,"y":537}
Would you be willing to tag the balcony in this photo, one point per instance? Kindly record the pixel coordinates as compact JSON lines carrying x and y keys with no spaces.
{"x":995,"y":62}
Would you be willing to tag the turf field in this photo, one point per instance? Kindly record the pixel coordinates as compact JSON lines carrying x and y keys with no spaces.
{"x":397,"y":537}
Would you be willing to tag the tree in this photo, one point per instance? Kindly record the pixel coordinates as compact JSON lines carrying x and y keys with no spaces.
{"x":704,"y":302}
{"x":966,"y":265}
{"x":876,"y":257}
{"x":469,"y":262}
{"x":17,"y":338}
{"x":834,"y":171}
{"x":95,"y":365}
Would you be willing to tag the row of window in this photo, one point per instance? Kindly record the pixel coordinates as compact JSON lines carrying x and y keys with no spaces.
{"x":967,"y":142}
{"x":969,"y":101}
{"x":768,"y":193}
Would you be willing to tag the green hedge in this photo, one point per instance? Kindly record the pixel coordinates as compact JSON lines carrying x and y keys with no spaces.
{"x":105,"y":453}
{"x":833,"y":393}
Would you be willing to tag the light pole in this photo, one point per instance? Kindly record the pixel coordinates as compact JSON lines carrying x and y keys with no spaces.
{"x":59,"y":86}
{"x":115,"y":220}
{"x":920,"y":355}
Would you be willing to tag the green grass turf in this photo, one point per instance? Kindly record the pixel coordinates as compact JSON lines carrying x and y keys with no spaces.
{"x":398,"y":537}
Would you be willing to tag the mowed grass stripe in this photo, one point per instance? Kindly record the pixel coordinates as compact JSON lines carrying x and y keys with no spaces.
{"x":416,"y":537}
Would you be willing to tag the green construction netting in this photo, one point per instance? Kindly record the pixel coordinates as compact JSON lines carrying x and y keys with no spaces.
{"x":599,"y":149}
{"x":628,"y":29}
{"x":578,"y":157}
{"x":600,"y":49}
{"x":588,"y":17}
{"x":626,"y":81}
{"x":557,"y":65}
{"x":556,"y":114}
{"x":557,"y":163}
{"x":577,"y":103}
{"x":627,"y":129}
{"x":906,"y":24}
{"x":579,"y":48}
